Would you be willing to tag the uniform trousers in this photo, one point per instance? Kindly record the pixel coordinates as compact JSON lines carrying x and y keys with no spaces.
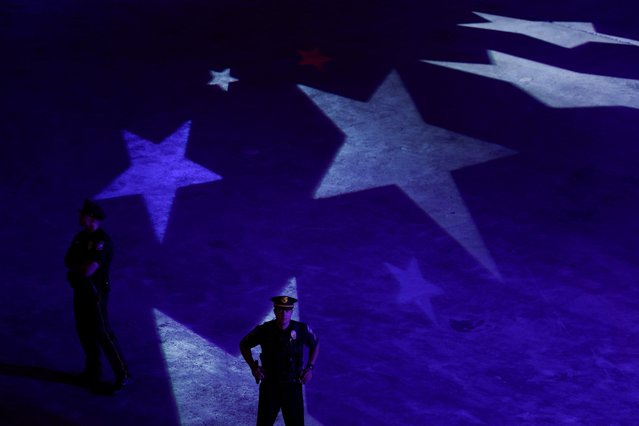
{"x":285,"y":396}
{"x":92,"y":325}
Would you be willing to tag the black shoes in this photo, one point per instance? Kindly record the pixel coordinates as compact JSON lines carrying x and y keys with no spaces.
{"x":121,"y":383}
{"x":87,"y":379}
{"x":92,"y":382}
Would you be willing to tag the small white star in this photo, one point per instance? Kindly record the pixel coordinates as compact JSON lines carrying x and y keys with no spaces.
{"x":222,"y":79}
{"x":156,"y":172}
{"x":414,"y":288}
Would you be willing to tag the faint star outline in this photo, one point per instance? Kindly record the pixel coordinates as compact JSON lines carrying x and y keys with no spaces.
{"x":314,"y":58}
{"x":414,"y":288}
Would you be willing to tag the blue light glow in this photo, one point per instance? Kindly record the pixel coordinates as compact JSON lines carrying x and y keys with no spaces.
{"x":388,"y":143}
{"x":156,"y":172}
{"x":564,"y":34}
{"x":555,"y":87}
{"x":415,"y":289}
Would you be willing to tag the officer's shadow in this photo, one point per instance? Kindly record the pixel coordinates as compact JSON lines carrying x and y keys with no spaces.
{"x":42,"y":374}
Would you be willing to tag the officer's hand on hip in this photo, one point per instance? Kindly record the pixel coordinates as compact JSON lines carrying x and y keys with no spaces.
{"x":306,"y":376}
{"x":257,"y":373}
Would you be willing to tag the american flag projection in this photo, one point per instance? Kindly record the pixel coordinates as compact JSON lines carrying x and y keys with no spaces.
{"x":451,"y":190}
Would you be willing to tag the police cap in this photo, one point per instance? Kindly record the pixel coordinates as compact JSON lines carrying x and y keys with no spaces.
{"x":283,"y":301}
{"x":91,"y":208}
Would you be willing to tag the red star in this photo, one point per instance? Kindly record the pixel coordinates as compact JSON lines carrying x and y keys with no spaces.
{"x":314,"y":58}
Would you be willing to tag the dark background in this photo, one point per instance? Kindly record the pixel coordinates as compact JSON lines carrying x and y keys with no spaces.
{"x":552,"y":340}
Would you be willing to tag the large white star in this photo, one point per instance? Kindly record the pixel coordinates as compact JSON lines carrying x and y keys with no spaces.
{"x":156,"y":172}
{"x":388,"y":143}
{"x":211,"y":386}
{"x":555,"y":87}
{"x":564,"y":34}
{"x":414,"y":288}
{"x":222,"y":79}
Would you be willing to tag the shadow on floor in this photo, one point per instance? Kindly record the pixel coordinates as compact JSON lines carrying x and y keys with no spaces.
{"x":39,"y":373}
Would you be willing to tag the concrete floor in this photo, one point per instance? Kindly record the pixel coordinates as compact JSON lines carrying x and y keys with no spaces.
{"x":462,"y":239}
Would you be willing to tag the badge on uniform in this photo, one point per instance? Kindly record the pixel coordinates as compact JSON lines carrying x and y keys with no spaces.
{"x":293,"y":335}
{"x":100,"y":246}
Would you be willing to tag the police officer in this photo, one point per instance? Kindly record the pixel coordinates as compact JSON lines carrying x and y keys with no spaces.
{"x":88,"y":260}
{"x":281,"y":374}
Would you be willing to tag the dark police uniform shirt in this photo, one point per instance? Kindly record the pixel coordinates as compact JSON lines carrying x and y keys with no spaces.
{"x":282,"y":350}
{"x":90,"y":247}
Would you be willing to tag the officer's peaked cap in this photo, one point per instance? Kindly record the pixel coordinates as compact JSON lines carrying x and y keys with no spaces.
{"x":92,"y":209}
{"x":283,"y":301}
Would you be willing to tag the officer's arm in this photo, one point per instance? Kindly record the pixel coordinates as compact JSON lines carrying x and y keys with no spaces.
{"x":307,"y":372}
{"x":312,"y":342}
{"x":71,"y":257}
{"x":312,"y":356}
{"x":89,"y":268}
{"x":245,"y":350}
{"x":68,"y":260}
{"x":96,"y":257}
{"x":84,"y":270}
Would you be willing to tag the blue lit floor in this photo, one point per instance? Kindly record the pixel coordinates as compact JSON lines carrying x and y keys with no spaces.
{"x":450,"y":190}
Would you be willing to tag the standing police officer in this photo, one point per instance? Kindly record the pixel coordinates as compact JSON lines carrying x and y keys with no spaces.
{"x":282,"y":341}
{"x":88,"y":260}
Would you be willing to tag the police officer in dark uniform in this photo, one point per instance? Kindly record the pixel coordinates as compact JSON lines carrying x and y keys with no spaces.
{"x":282,"y":373}
{"x":88,"y":260}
